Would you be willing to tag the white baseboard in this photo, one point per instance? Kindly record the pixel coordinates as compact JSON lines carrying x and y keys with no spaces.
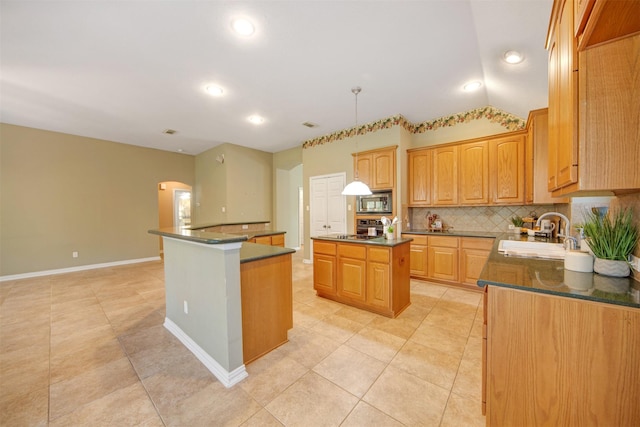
{"x":307,"y":261}
{"x":228,"y":379}
{"x":74,"y":269}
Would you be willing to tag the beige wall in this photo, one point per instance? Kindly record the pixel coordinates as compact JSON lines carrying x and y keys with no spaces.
{"x":287,"y":178}
{"x":62,"y":193}
{"x":242,"y":185}
{"x":459,"y":132}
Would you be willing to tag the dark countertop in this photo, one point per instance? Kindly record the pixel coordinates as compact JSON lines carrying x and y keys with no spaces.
{"x":378,"y":241}
{"x":217,"y":224}
{"x":550,"y":277}
{"x":199,"y":236}
{"x":254,"y":252}
{"x":454,"y":233}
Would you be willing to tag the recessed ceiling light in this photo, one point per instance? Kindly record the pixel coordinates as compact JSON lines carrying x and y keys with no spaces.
{"x":471,"y":86}
{"x":256,"y":120}
{"x":513,"y":57}
{"x":214,"y":90}
{"x":243,"y":27}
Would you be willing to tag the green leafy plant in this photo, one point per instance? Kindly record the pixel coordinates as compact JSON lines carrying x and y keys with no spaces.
{"x":610,"y":236}
{"x":390,"y":229}
{"x":517,"y":221}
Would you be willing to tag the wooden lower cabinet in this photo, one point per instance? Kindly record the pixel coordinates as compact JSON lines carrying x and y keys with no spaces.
{"x":273,"y":240}
{"x":267,"y":305}
{"x":449,"y":259}
{"x":370,"y":277}
{"x":554,"y":360}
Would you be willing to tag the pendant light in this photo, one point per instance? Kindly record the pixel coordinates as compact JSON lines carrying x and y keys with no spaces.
{"x":356,"y":187}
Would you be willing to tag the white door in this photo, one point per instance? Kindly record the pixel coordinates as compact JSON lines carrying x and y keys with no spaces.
{"x":327,"y":205}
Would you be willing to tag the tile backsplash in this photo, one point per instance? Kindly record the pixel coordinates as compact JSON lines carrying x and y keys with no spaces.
{"x":479,"y":218}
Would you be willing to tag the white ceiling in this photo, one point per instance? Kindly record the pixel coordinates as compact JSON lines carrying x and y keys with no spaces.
{"x":125,"y":71}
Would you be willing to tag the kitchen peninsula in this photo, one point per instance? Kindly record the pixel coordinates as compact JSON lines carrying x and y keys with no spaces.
{"x":371,"y":273}
{"x":559,"y":347}
{"x":227,"y":300}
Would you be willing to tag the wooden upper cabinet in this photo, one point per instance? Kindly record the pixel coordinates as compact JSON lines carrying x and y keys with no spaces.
{"x":506,"y":163}
{"x":384,"y":169}
{"x":377,"y":168}
{"x":593,"y":96}
{"x":474,"y":173}
{"x":420,"y":167}
{"x":445,"y":176}
{"x":536,"y":159}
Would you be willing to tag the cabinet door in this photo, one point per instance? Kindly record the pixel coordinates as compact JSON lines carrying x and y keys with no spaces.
{"x":383,"y":170}
{"x":445,"y":175}
{"x":263,"y":240}
{"x":324,"y":273}
{"x":418,"y":261}
{"x":420,"y":165}
{"x":351,"y":278}
{"x":443,"y":263}
{"x":472,"y":262}
{"x":364,"y":167}
{"x":378,"y":284}
{"x":506,"y":160}
{"x":277,"y":240}
{"x":474,"y":173}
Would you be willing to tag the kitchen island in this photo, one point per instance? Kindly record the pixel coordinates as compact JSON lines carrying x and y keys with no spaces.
{"x":363,"y":271}
{"x":227,"y":301}
{"x":560,"y":347}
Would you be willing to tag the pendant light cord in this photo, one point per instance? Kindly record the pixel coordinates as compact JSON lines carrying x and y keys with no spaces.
{"x":356,"y":90}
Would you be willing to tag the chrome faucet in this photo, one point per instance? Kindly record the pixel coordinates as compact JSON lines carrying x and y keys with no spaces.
{"x":567,"y":223}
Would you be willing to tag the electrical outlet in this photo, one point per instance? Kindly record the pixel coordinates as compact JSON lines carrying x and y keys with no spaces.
{"x":186,"y":307}
{"x":245,"y":227}
{"x":224,"y":209}
{"x":74,"y":254}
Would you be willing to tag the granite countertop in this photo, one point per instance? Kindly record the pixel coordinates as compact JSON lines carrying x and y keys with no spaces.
{"x":254,"y":252}
{"x":550,"y":277}
{"x":217,"y":224}
{"x":199,"y":236}
{"x":453,"y":233}
{"x":378,"y":241}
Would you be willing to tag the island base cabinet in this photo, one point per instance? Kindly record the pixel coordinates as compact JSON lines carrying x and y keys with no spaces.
{"x":554,"y":360}
{"x":368,"y":277}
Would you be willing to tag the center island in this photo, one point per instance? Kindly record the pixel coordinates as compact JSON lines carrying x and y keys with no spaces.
{"x":370,"y":273}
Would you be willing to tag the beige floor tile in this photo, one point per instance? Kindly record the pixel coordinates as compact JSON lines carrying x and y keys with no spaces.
{"x":428,"y":289}
{"x":15,"y":336}
{"x":468,"y":382}
{"x":350,"y":369}
{"x":307,"y":347}
{"x":81,"y":337}
{"x":262,"y":419}
{"x":26,"y":409}
{"x":177,"y":382}
{"x":376,"y":343}
{"x":461,"y":411}
{"x":438,"y":338}
{"x":312,"y":401}
{"x":68,"y":395}
{"x":407,"y":398}
{"x":270,"y":375}
{"x":127,"y":406}
{"x":402,"y":327}
{"x":462,"y":296}
{"x":337,"y":328}
{"x":366,"y":415}
{"x":355,"y":315}
{"x":431,"y":365}
{"x":306,"y":316}
{"x":23,"y":371}
{"x":158,"y":358}
{"x":446,"y":318}
{"x":78,"y":357}
{"x":213,"y":405}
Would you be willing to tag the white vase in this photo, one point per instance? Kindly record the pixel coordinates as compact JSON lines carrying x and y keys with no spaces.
{"x":610,"y":267}
{"x":389,"y":235}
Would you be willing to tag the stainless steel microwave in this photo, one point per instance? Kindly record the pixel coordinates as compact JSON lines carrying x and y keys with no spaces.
{"x":380,"y":202}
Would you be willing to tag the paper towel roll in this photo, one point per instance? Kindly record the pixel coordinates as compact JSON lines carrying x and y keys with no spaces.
{"x":578,"y":261}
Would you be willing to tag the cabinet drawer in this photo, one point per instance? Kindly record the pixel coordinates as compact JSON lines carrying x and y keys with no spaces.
{"x":476,"y":243}
{"x":442,"y":241}
{"x":352,"y":251}
{"x":324,"y":247}
{"x":379,"y":255}
{"x":277,"y":240}
{"x":263,"y":240}
{"x":418,"y":239}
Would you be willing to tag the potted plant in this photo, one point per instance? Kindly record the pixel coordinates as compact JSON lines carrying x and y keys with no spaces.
{"x":388,"y":226}
{"x":517,"y":222}
{"x":611,"y":238}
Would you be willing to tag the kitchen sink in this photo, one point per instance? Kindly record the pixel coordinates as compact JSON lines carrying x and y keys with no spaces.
{"x":531,"y":249}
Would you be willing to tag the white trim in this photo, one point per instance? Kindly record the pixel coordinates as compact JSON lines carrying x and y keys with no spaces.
{"x":74,"y":269}
{"x":307,"y":261}
{"x":228,"y":379}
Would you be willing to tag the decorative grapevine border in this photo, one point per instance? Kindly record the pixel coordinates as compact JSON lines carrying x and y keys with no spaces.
{"x":490,"y":113}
